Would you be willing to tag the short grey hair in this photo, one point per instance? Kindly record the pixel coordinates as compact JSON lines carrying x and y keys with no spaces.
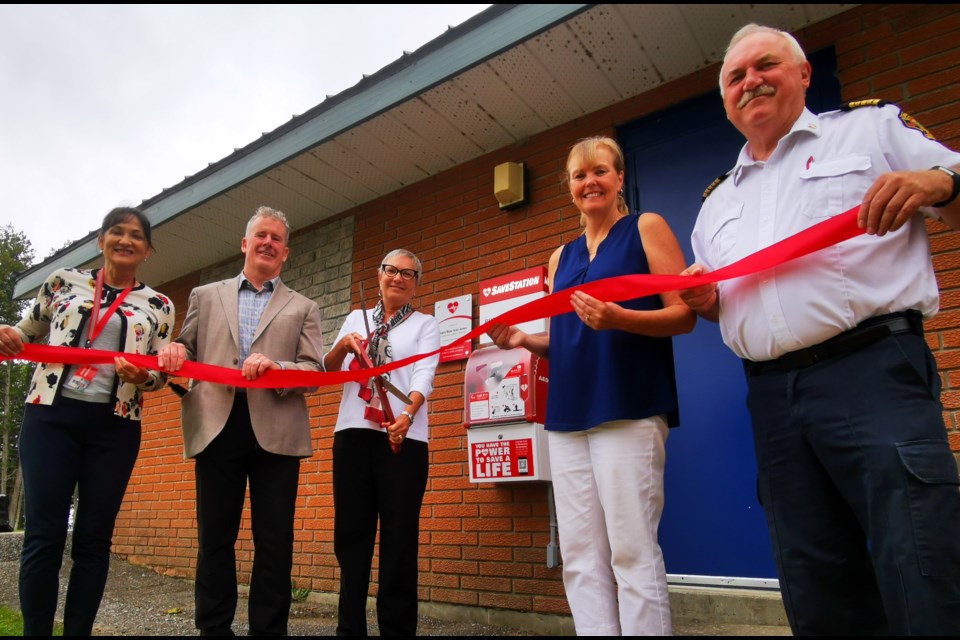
{"x":268,"y":212}
{"x":405,"y":254}
{"x":748,"y":30}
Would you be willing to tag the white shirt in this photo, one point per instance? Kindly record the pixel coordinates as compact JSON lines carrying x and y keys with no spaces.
{"x":419,"y":333}
{"x":821,"y":168}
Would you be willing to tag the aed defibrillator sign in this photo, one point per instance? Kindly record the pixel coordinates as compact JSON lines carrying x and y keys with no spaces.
{"x":501,"y":459}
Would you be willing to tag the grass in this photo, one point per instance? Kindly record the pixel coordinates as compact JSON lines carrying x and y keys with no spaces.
{"x":11,"y":623}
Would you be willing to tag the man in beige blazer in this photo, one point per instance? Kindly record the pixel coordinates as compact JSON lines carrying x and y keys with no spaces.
{"x":255,"y":323}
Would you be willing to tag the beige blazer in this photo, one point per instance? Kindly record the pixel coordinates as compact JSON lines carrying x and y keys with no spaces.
{"x":289,"y":333}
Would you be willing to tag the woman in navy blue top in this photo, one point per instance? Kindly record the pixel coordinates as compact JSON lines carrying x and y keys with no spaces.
{"x":611,"y":401}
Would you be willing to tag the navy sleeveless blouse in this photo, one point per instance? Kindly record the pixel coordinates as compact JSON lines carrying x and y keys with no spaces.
{"x":598,"y":376}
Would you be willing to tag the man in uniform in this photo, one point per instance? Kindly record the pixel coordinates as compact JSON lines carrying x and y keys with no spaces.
{"x":856,"y":476}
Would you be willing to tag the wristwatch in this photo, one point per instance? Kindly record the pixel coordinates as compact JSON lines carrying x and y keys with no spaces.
{"x":409,"y":416}
{"x":956,"y":185}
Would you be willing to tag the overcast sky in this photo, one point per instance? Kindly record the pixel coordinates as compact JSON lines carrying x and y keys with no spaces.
{"x":105,"y":106}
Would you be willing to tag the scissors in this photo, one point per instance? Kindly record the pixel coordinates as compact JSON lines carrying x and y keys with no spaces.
{"x":381,"y":384}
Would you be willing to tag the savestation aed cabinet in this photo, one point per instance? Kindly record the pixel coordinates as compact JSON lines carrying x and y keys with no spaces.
{"x":505,"y":401}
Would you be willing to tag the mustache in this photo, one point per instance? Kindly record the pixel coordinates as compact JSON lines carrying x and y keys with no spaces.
{"x":762,"y":90}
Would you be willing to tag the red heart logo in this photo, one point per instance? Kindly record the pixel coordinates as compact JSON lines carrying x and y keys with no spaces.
{"x":452,"y":307}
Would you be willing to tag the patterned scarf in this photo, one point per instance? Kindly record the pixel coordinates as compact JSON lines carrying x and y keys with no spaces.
{"x":379,"y":349}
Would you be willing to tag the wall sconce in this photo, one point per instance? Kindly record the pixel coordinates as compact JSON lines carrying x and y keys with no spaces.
{"x":510,"y":184}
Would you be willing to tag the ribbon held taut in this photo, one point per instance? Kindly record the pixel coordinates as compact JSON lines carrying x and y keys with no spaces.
{"x":820,"y":236}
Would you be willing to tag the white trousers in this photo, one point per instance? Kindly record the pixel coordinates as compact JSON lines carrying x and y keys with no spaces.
{"x":608,"y":488}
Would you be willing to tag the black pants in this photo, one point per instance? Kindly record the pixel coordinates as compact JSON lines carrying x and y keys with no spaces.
{"x":222,"y":471}
{"x":82,"y":445}
{"x":860,"y":491}
{"x":370,"y":481}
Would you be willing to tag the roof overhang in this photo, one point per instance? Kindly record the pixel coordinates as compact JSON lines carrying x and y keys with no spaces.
{"x":496,"y":80}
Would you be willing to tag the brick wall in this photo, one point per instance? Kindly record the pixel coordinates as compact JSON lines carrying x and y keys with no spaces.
{"x":485,"y":545}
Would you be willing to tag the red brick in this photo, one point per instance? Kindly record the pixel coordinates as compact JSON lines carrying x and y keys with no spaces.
{"x":542,"y":604}
{"x":479,"y":583}
{"x":869,"y":69}
{"x":918,"y":69}
{"x":945,"y":78}
{"x":506,"y":601}
{"x":539,"y":587}
{"x":954,"y":439}
{"x":515,"y":570}
{"x":453,"y":596}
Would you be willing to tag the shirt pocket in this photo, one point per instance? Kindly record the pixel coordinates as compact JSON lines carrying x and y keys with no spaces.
{"x":724,"y":239}
{"x":832,"y":186}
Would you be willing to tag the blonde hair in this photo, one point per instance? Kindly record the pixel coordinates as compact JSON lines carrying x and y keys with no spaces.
{"x":585,"y":153}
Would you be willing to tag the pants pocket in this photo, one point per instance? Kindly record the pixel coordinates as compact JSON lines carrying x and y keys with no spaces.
{"x":933,"y":491}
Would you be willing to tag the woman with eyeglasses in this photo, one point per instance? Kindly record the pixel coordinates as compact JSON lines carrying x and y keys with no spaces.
{"x":380,"y":457}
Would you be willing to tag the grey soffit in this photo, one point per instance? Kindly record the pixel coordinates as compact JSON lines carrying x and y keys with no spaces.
{"x":507,"y":74}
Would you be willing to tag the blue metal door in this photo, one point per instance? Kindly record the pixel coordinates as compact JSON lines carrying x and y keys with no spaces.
{"x":713,"y":524}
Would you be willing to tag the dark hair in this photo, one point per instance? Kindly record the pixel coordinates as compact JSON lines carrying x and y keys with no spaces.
{"x":122,"y":214}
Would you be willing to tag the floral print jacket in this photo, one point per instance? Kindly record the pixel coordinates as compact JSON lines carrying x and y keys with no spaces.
{"x":62,"y":310}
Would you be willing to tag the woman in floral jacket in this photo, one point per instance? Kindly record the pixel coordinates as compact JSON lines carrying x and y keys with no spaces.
{"x":81,"y":428}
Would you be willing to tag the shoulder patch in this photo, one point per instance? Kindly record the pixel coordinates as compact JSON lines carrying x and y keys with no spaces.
{"x":911,"y":123}
{"x":713,"y":185}
{"x":856,"y":104}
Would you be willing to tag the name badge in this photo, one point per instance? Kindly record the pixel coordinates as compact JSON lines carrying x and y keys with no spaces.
{"x":82,"y":378}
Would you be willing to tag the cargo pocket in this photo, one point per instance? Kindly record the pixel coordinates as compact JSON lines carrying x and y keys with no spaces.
{"x":933,"y":490}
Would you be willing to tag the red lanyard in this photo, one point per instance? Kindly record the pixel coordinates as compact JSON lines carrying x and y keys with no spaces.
{"x":97,"y":322}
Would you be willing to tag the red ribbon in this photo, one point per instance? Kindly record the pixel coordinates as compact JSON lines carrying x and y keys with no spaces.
{"x":820,"y":236}
{"x":97,"y":323}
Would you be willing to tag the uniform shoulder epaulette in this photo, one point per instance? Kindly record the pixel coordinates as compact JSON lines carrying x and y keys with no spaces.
{"x":908,"y":120}
{"x":713,"y":185}
{"x":856,"y":104}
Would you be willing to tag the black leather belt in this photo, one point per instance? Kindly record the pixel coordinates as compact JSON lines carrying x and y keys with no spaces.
{"x":864,"y":334}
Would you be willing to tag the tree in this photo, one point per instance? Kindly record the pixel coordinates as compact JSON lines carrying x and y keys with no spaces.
{"x":16,"y":255}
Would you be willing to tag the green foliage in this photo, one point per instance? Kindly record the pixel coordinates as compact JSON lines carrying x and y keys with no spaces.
{"x":16,"y":255}
{"x":297,"y":593}
{"x":11,"y":415}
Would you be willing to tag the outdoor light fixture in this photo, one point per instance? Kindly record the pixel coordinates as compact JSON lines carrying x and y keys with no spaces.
{"x":510,"y":184}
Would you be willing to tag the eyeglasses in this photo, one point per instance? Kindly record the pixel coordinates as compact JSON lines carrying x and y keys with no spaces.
{"x":391,"y":272}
